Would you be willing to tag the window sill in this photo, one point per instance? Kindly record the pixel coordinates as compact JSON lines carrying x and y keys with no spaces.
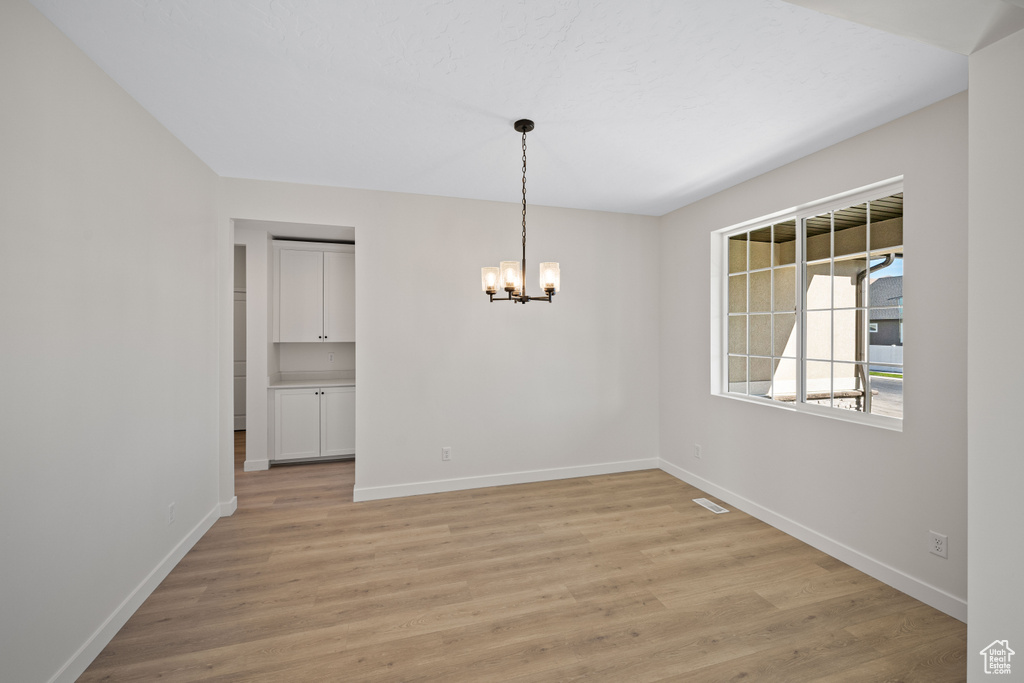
{"x":878,"y":421}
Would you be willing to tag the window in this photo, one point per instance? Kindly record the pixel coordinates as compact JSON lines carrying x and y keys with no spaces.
{"x":809,"y":300}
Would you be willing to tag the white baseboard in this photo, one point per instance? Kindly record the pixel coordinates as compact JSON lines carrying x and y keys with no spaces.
{"x":227,"y":509}
{"x":443,"y":485}
{"x":255,"y":465}
{"x":89,"y":650}
{"x":915,"y":588}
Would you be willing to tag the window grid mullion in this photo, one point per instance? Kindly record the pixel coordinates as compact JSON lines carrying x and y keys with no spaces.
{"x":723,"y":375}
{"x":727,"y":266}
{"x":747,"y":309}
{"x":771,"y":306}
{"x":832,"y":308}
{"x":801,"y":312}
{"x":866,"y":333}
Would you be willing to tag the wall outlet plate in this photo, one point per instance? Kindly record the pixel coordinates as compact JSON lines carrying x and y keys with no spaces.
{"x":697,"y":451}
{"x":446,"y":453}
{"x":938,"y":544}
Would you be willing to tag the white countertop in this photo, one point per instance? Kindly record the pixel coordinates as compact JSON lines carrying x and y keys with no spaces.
{"x":328,"y":380}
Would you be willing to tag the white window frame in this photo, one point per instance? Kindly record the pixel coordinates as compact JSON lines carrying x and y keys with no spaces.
{"x":720,"y":304}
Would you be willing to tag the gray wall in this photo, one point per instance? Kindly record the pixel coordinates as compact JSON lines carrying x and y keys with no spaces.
{"x":866,"y":494}
{"x":108,"y":350}
{"x":995,"y":454}
{"x":437,"y":365}
{"x":888,"y":333}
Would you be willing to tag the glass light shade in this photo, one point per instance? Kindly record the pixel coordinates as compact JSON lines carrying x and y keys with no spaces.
{"x":550,"y":276}
{"x":489,"y":279}
{"x":510,"y":276}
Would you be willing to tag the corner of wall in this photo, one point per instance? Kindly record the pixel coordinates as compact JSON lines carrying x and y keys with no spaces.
{"x":92,"y":647}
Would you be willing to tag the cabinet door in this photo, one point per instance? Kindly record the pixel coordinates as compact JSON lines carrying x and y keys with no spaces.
{"x":300,"y":296}
{"x":296,"y":423}
{"x":338,"y":421}
{"x":339,"y":296}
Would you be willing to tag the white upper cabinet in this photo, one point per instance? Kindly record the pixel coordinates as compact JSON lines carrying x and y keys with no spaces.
{"x":339,"y":296}
{"x":300,"y":295}
{"x":314,"y":292}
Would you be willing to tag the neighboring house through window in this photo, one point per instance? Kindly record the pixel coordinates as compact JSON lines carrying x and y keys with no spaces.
{"x":807,"y":295}
{"x":887,"y":311}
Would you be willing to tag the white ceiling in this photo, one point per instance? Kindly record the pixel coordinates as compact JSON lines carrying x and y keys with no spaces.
{"x":642,"y":106}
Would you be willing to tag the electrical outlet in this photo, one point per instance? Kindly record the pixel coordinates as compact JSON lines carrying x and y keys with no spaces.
{"x":330,"y":357}
{"x":170,"y":513}
{"x":446,"y":453}
{"x":938,"y":544}
{"x":697,"y":451}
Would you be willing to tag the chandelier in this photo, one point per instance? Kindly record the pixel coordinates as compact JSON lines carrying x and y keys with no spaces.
{"x":510,"y":275}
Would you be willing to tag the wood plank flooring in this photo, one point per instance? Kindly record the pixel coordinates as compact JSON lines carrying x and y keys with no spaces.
{"x":609,"y":578}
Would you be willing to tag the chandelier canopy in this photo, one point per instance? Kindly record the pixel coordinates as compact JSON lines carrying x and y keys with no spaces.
{"x":510,"y":275}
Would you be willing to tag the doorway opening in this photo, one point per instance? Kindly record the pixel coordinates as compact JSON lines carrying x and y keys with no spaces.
{"x":272,"y":366}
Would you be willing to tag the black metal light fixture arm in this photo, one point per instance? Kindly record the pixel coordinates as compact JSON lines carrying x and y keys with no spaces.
{"x":521,"y":299}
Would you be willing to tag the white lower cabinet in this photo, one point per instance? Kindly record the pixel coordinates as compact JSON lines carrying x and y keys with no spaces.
{"x":314,"y":422}
{"x":338,"y":421}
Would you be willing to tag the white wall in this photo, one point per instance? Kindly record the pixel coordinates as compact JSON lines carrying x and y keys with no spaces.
{"x":239,"y":269}
{"x":519,"y":393}
{"x":238,"y":335}
{"x":995,"y":455}
{"x":257,"y":346}
{"x":865,"y":494}
{"x":299,"y":357}
{"x":108,"y":351}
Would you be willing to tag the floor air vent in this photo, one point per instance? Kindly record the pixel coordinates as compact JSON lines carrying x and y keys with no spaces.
{"x":714,"y":507}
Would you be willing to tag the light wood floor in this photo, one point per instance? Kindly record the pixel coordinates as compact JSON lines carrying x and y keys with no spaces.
{"x":609,"y":578}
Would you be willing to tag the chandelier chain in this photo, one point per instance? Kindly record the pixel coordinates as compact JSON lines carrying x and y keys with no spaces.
{"x":524,"y":203}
